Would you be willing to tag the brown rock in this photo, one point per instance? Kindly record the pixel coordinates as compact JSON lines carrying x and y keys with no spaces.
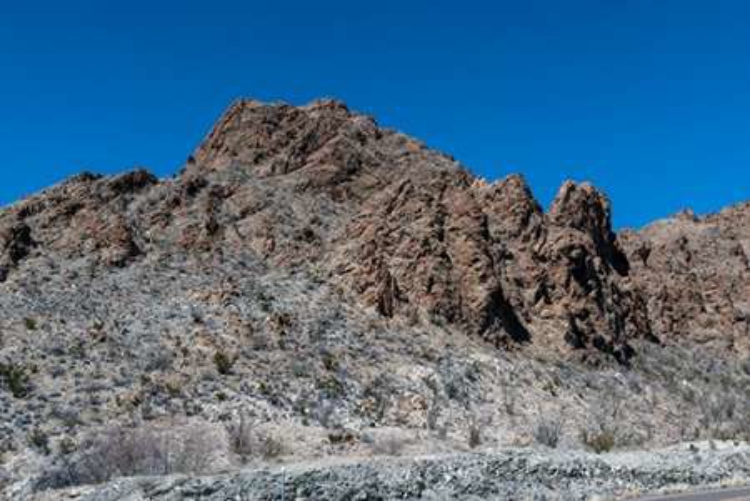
{"x":695,"y":274}
{"x":407,"y":229}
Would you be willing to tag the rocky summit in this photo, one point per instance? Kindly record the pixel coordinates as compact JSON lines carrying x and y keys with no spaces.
{"x":313,"y":286}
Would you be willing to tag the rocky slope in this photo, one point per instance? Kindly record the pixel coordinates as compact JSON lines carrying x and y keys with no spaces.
{"x":408,"y":230}
{"x":342,"y":284}
{"x":695,"y":274}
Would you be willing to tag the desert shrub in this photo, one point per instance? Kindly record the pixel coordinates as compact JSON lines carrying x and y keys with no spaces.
{"x":437,"y":319}
{"x":325,"y":412}
{"x":270,"y":447}
{"x":330,"y":360}
{"x":377,"y":396}
{"x":547,"y":431}
{"x":279,"y":322}
{"x":433,"y":415}
{"x":249,"y":443}
{"x":240,"y":434}
{"x":598,"y":441}
{"x":601,"y":434}
{"x":30,"y":323}
{"x":342,"y":436}
{"x":160,"y":361}
{"x":723,"y":415}
{"x":16,"y":379}
{"x":331,"y":386}
{"x":67,"y":446}
{"x":39,"y":440}
{"x":388,"y":445}
{"x":224,"y":362}
{"x":125,"y":452}
{"x":460,"y":378}
{"x":475,"y":435}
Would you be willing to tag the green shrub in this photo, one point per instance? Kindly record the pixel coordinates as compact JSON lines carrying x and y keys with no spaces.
{"x":330,"y":386}
{"x":224,"y":362}
{"x":67,"y":446}
{"x":330,"y":361}
{"x":39,"y":440}
{"x":16,"y":379}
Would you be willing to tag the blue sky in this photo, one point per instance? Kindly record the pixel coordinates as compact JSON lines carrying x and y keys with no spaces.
{"x":650,"y":100}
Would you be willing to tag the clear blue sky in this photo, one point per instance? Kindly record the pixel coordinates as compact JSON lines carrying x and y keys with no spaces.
{"x":648,"y":99}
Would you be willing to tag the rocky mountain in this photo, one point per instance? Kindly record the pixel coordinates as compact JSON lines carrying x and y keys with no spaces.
{"x":408,"y":230}
{"x":310,"y":268}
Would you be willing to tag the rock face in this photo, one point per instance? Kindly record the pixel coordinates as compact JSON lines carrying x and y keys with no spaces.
{"x":695,"y":275}
{"x":407,"y":230}
{"x":411,"y":232}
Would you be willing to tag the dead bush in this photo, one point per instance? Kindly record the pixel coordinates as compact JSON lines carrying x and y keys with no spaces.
{"x":248,"y":443}
{"x":601,"y":433}
{"x":126,"y":452}
{"x":388,"y":445}
{"x":475,"y":438}
{"x":548,"y":431}
{"x":598,"y":441}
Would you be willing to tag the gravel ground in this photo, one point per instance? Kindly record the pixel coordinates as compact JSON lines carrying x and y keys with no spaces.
{"x":514,"y":474}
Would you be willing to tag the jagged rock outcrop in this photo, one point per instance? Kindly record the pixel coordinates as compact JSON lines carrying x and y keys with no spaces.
{"x":406,"y":229}
{"x":409,"y":230}
{"x":695,"y":275}
{"x":587,"y":276}
{"x":88,"y":216}
{"x":430,"y":240}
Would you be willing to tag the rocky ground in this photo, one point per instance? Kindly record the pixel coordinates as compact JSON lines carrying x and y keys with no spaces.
{"x":513,"y":474}
{"x":312,"y":288}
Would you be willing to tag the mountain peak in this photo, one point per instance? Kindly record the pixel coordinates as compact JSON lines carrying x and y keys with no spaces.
{"x":407,"y":229}
{"x":275,"y":138}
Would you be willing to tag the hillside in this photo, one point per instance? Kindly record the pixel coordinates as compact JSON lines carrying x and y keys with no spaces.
{"x":313,"y":286}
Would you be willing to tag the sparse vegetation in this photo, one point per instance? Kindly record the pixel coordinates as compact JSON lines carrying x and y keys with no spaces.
{"x":390,"y":444}
{"x":67,"y":446}
{"x":249,"y":443}
{"x":475,"y":434}
{"x":598,"y":441}
{"x":600,"y":433}
{"x":39,"y":440}
{"x":121,"y":451}
{"x":224,"y":362}
{"x":16,"y":379}
{"x":548,"y":431}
